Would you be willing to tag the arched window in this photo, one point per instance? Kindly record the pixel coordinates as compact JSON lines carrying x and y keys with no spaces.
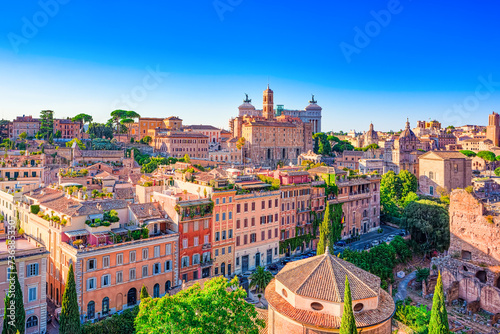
{"x":91,"y":310}
{"x":105,"y":306}
{"x":168,"y":285}
{"x":32,"y":322}
{"x":156,"y":291}
{"x":223,"y":269}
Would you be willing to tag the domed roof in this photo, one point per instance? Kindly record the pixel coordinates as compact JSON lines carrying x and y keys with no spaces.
{"x":313,"y":106}
{"x":372,"y":133}
{"x":246,"y":106}
{"x":407,"y":132}
{"x":323,"y":277}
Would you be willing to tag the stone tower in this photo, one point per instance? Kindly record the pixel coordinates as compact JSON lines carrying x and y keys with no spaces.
{"x":493,"y":128}
{"x":268,"y":104}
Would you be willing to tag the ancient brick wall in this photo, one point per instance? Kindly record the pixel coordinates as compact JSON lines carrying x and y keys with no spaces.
{"x":474,"y":232}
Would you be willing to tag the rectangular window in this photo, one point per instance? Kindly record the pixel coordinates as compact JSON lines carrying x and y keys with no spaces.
{"x":230,"y":234}
{"x":144,"y":271}
{"x":237,"y":224}
{"x":253,"y":221}
{"x":237,"y":261}
{"x":223,"y":235}
{"x":185,"y":262}
{"x":91,"y":264}
{"x":132,"y":256}
{"x":91,"y":283}
{"x":168,"y":265}
{"x":32,"y":294}
{"x":270,"y":204}
{"x":105,"y":280}
{"x":196,"y":226}
{"x":131,"y":274}
{"x":216,"y":252}
{"x":205,"y":239}
{"x":245,"y":222}
{"x":32,"y":270}
{"x":246,"y":207}
{"x":230,"y":215}
{"x":196,"y":241}
{"x":156,"y":269}
{"x":223,"y":216}
{"x":276,"y":203}
{"x":119,"y":259}
{"x":119,"y":277}
{"x":238,"y":240}
{"x":263,"y":235}
{"x":253,"y":237}
{"x":217,"y":236}
{"x":229,"y":250}
{"x":168,"y":249}
{"x":223,"y":250}
{"x":238,"y":208}
{"x":105,"y":261}
{"x":269,"y":234}
{"x":205,"y":224}
{"x":145,"y":253}
{"x":245,"y":239}
{"x":185,"y":243}
{"x":216,"y":217}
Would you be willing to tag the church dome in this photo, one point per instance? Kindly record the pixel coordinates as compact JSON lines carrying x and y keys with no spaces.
{"x":372,"y":134}
{"x":310,"y":292}
{"x":246,"y":106}
{"x":407,"y":133}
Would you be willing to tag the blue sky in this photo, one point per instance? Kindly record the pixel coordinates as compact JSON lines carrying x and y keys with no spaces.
{"x":379,"y":61}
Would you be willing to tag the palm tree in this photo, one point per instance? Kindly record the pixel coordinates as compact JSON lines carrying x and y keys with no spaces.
{"x":260,"y":279}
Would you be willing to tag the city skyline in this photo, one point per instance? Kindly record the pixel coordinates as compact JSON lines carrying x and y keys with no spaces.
{"x":70,"y":66}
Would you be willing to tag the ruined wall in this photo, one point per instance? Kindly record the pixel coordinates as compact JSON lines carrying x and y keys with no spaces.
{"x":473,"y":230}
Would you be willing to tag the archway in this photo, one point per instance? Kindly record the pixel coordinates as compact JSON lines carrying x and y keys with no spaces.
{"x":119,"y":302}
{"x":156,"y":291}
{"x":132,"y":297}
{"x":481,"y":275}
{"x":105,"y":306}
{"x":167,"y":286}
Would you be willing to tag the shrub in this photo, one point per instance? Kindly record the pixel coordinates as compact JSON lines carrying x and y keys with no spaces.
{"x":117,"y":323}
{"x":417,"y":318}
{"x":469,"y":189}
{"x":422,"y":274}
{"x":35,"y":209}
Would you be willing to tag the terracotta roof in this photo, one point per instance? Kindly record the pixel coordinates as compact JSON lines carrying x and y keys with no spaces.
{"x":201,"y":127}
{"x":444,"y":155}
{"x":71,"y":207}
{"x":124,"y":193}
{"x":323,"y":277}
{"x":262,"y":314}
{"x":146,"y":210}
{"x":326,"y":170}
{"x":383,"y":312}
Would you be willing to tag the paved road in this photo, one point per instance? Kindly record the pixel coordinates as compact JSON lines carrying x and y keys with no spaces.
{"x":369,"y":237}
{"x":403,"y":285}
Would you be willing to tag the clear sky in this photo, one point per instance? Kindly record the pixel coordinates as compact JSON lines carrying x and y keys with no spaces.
{"x":379,"y":61}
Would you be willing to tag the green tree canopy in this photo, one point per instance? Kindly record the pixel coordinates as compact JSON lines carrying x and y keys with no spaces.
{"x":23,"y":135}
{"x":468,"y":153}
{"x":82,"y":118}
{"x":324,"y":232}
{"x":14,"y":322}
{"x":486,"y":155}
{"x":144,"y":292}
{"x":260,"y":279}
{"x":70,"y":316}
{"x":348,"y":322}
{"x":78,"y":142}
{"x":218,"y":308}
{"x":47,"y":123}
{"x":439,"y":317}
{"x":322,"y":144}
{"x":428,"y":223}
{"x":98,"y":130}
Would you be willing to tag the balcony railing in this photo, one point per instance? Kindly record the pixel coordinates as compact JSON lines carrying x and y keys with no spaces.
{"x":206,"y":246}
{"x":206,"y":263}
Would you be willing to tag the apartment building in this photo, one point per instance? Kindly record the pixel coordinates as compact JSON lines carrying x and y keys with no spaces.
{"x":31,"y":263}
{"x":257,"y":227}
{"x":112,"y":258}
{"x":223,"y":240}
{"x":190,"y":216}
{"x":68,"y":128}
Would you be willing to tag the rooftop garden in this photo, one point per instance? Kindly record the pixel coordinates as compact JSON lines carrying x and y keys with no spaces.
{"x":72,"y":173}
{"x":35,"y":209}
{"x":195,"y":210}
{"x":108,"y":218}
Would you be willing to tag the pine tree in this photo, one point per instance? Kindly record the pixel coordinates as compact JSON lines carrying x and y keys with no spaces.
{"x":70,"y":315}
{"x":14,"y":322}
{"x":439,"y":317}
{"x":324,"y":232}
{"x":348,"y":323}
{"x":144,"y":292}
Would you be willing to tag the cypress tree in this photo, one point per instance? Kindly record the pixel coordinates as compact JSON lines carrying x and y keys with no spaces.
{"x":348,"y":323}
{"x":324,"y":232}
{"x":439,"y":317}
{"x":70,"y":315}
{"x":144,"y":292}
{"x":15,"y":321}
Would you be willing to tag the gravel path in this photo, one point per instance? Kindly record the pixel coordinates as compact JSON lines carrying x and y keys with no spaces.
{"x":401,"y":294}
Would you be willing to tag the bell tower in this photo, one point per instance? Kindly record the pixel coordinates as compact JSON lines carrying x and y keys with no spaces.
{"x":268,"y":104}
{"x":493,"y":128}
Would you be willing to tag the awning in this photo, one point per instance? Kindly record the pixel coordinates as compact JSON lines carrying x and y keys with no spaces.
{"x":119,"y":230}
{"x":76,"y":233}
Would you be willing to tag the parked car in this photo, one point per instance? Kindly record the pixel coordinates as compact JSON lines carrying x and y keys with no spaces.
{"x":272,"y":266}
{"x":340,"y":243}
{"x":388,"y":239}
{"x":367,"y":246}
{"x":402,"y":233}
{"x":375,"y":243}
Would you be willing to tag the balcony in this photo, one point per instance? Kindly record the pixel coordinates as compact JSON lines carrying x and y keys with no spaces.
{"x":206,"y":246}
{"x":206,"y":263}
